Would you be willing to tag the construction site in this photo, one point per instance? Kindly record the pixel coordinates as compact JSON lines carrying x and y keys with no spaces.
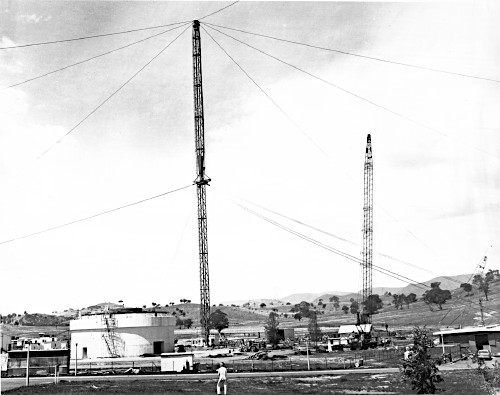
{"x":364,"y":325}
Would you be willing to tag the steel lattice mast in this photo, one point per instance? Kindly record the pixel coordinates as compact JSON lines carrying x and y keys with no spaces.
{"x":201,"y":182}
{"x":368,"y":225}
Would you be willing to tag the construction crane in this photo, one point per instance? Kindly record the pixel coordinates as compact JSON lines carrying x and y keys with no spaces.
{"x":201,"y":182}
{"x":367,"y":254}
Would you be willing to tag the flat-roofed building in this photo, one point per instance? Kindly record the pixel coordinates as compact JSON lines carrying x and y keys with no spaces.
{"x":475,"y":338}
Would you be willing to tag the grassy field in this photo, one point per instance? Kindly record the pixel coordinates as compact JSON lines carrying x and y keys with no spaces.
{"x":456,"y":382}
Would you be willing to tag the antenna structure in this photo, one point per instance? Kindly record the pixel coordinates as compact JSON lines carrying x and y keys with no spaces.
{"x":367,"y":228}
{"x":201,"y":182}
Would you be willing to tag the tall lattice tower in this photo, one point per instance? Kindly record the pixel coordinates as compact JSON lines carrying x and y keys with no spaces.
{"x":201,"y":182}
{"x":368,"y":225}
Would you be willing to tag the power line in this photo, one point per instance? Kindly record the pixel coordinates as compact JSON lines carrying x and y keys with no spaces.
{"x":268,"y":96}
{"x":316,"y":145}
{"x":351,"y":242}
{"x":387,"y":109}
{"x":359,"y":55}
{"x":334,"y":250}
{"x":111,"y":34}
{"x":305,"y":134}
{"x":312,"y":141}
{"x":92,"y":216}
{"x":92,"y":58}
{"x":94,"y":36}
{"x":110,"y":96}
{"x":380,"y":269}
{"x":216,"y":12}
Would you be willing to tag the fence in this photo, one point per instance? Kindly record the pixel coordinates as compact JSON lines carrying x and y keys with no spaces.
{"x":289,"y":364}
{"x":116,"y":366}
{"x":370,"y":358}
{"x":387,"y":358}
{"x":348,"y":360}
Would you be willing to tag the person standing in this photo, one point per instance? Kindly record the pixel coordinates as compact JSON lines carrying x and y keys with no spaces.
{"x":222,"y":382}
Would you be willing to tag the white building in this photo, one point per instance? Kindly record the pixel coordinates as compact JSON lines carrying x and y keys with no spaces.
{"x":116,"y":334}
{"x":177,"y":362}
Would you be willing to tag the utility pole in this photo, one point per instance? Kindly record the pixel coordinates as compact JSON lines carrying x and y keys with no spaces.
{"x":201,"y":182}
{"x":367,"y":228}
{"x":481,"y":307}
{"x":28,"y":364}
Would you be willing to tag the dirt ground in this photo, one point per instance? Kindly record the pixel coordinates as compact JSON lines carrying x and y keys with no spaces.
{"x":456,"y":382}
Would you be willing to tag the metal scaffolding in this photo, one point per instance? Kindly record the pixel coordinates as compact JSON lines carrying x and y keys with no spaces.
{"x":368,"y":227}
{"x":201,"y":182}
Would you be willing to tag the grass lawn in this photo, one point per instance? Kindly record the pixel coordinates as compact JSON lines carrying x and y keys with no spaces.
{"x":456,"y":382}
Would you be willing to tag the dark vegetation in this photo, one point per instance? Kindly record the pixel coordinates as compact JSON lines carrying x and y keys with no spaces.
{"x":218,"y":320}
{"x":33,"y":319}
{"x":419,"y":368}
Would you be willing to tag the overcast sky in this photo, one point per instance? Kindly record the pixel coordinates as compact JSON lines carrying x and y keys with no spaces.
{"x":436,"y":164}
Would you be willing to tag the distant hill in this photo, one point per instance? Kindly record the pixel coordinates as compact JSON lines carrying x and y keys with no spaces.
{"x":448,"y":282}
{"x":35,"y":319}
{"x":383,"y":290}
{"x":309,"y":297}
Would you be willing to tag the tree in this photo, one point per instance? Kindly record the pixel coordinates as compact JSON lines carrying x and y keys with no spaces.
{"x":397,"y":301}
{"x":262,"y":305}
{"x":313,"y":328}
{"x":436,"y":296}
{"x":179,"y":322}
{"x":354,"y":306}
{"x":188,"y":322}
{"x":303,"y":308}
{"x":335,"y":300}
{"x":411,"y":298}
{"x":218,"y":320}
{"x":420,"y":368}
{"x":271,"y":328}
{"x":372,"y":304}
{"x":483,"y":281}
{"x":466,"y":287}
{"x":297,"y":316}
{"x":402,"y":299}
{"x":345,"y":309}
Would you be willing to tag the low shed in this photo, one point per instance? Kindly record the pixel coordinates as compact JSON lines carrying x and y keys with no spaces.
{"x":176,"y":362}
{"x":475,"y":338}
{"x":356,"y":329}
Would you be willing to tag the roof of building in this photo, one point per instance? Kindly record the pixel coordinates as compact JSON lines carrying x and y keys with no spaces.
{"x":355,"y":328}
{"x":471,"y":329}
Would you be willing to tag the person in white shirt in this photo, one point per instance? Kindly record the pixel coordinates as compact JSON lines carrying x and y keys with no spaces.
{"x":222,"y":382}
